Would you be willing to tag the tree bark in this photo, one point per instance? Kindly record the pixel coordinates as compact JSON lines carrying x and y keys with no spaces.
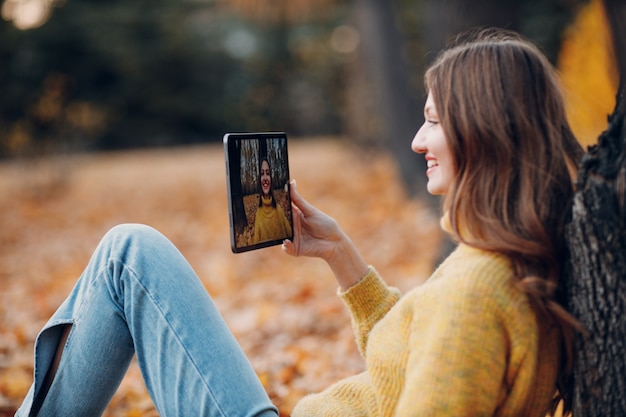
{"x":596,"y":236}
{"x":597,"y":289}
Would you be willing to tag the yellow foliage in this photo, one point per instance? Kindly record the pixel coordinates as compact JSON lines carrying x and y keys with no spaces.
{"x":588,"y":72}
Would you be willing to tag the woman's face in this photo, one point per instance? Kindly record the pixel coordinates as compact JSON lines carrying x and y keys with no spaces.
{"x":431,"y":141}
{"x":266,"y":179}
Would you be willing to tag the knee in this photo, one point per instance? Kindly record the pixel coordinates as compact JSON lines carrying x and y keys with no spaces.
{"x":126,"y":236}
{"x":143,"y":252}
{"x":130,"y":230}
{"x":136,"y":246}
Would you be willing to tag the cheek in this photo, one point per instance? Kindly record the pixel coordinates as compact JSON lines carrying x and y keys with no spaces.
{"x":446,"y":152}
{"x":451,"y":168}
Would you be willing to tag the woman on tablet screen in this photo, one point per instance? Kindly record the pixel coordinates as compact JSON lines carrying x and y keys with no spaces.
{"x":270,"y":222}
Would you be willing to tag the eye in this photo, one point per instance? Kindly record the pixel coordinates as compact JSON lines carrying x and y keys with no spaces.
{"x":432,"y":122}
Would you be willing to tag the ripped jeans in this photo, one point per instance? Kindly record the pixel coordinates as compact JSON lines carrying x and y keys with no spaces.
{"x":138,"y":295}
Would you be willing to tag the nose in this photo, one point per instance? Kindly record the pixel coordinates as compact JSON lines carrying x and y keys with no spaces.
{"x":418,"y":145}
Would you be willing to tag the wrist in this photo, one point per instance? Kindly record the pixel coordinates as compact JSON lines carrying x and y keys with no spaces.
{"x":347,"y":264}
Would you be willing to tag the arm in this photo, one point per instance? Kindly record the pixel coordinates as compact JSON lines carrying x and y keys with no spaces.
{"x":318,"y":235}
{"x":363,"y":291}
{"x":368,"y":301}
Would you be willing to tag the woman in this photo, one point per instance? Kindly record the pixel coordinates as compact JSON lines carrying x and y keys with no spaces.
{"x":485,"y":336}
{"x":270,"y":222}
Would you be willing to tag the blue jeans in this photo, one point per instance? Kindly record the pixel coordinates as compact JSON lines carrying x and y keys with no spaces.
{"x":139,"y":295}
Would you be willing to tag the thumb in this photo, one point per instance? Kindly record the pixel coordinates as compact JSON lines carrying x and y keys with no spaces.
{"x":299,"y":201}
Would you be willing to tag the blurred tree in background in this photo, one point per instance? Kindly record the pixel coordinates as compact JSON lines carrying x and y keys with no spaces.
{"x":95,"y":75}
{"x":115,"y":74}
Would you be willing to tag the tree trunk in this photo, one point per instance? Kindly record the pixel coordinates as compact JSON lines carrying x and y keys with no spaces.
{"x":393,"y":116}
{"x":597,"y":290}
{"x":446,"y":19}
{"x":238,"y":210}
{"x":596,"y":236}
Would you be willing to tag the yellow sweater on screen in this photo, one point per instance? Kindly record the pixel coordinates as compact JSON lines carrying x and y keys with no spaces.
{"x":270,"y":223}
{"x":465,"y":343}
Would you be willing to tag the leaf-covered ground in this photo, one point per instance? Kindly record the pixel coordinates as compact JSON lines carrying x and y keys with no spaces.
{"x":284,"y":311}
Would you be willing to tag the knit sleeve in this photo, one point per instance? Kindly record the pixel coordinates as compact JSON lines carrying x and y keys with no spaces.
{"x":368,"y":301}
{"x":458,"y":357}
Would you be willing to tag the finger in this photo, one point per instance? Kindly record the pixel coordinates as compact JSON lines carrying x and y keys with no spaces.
{"x":289,"y":248}
{"x":305,"y":207}
{"x":296,"y":216}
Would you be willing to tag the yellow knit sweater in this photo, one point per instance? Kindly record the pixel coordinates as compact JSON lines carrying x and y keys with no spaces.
{"x":465,"y":343}
{"x":270,"y":223}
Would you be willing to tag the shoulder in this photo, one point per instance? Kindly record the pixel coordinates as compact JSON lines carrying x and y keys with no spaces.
{"x":474,"y":270}
{"x":473,"y":283}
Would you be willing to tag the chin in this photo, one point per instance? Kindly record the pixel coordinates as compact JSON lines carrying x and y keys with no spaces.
{"x":436,"y":191}
{"x":436,"y":187}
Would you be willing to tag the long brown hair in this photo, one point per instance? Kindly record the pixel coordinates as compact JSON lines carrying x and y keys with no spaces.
{"x":503,"y":114}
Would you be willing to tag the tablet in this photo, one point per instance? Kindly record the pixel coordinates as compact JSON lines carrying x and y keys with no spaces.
{"x":257,"y":178}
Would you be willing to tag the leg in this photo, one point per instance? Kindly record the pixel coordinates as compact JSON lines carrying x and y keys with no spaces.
{"x":138,"y":294}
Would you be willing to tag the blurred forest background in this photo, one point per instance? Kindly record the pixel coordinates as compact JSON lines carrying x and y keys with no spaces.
{"x":95,"y":75}
{"x":114,"y":111}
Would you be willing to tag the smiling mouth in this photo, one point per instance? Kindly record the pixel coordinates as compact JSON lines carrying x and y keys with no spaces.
{"x":431,"y":163}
